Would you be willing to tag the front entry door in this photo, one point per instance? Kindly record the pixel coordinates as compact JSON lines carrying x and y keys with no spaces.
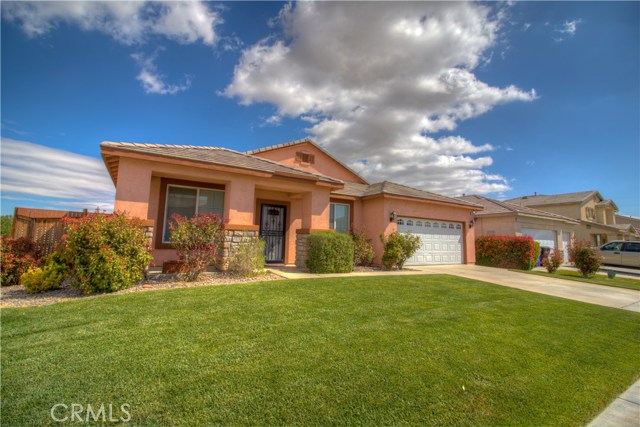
{"x":272,"y":230}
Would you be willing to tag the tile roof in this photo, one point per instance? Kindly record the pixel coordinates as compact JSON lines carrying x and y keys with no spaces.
{"x":624,"y":219}
{"x":216,"y":156}
{"x":303,"y":141}
{"x":497,"y":207}
{"x":553,"y":199}
{"x":392,"y":188}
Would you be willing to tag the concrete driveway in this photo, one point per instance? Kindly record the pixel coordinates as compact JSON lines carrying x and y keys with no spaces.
{"x":626,"y":299}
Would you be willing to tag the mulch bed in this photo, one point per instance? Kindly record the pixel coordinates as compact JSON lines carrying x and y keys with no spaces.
{"x":16,"y":296}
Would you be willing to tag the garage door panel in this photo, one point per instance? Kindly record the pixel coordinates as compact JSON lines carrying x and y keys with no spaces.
{"x":441,"y":242}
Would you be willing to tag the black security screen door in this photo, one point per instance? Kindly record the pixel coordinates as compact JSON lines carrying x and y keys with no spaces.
{"x":272,"y":220}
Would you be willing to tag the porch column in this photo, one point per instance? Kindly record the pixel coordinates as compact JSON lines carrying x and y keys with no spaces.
{"x":133,"y":189}
{"x":315,"y":209}
{"x":239,"y":201}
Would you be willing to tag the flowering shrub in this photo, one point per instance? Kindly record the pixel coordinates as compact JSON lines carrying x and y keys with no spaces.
{"x":107,"y":252}
{"x":506,"y":252}
{"x":586,"y":259}
{"x":398,"y":248}
{"x":553,"y":261}
{"x":330,"y":253}
{"x":362,"y":249}
{"x":197,"y":240}
{"x":16,"y":257}
{"x":248,"y":258}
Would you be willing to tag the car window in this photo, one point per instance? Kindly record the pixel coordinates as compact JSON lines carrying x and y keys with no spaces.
{"x":631,"y":247}
{"x":613,"y":246}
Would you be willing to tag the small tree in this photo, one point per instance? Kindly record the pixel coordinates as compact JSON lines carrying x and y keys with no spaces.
{"x":197,"y":240}
{"x":362,"y":249}
{"x":553,"y":261}
{"x":16,"y":258}
{"x":398,"y":248}
{"x":584,"y":257}
{"x":6,"y":222}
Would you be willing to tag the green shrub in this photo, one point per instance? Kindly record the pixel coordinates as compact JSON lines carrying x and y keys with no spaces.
{"x":6,"y":223}
{"x":517,"y":252}
{"x":248,"y":258}
{"x":16,"y":258}
{"x":44,"y":279}
{"x":330,"y":253}
{"x":363,"y":253}
{"x":107,"y":252}
{"x":553,"y":261}
{"x":198,"y":241}
{"x":398,"y":248}
{"x":585,"y":257}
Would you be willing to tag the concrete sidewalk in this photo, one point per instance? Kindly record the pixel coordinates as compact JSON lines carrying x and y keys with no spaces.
{"x":624,"y":411}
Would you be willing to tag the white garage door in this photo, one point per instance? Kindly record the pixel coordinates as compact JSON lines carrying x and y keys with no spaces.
{"x":441,"y":241}
{"x":544,"y":237}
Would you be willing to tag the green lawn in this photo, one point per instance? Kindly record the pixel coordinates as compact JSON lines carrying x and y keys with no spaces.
{"x":395,"y":350}
{"x":596,"y":279}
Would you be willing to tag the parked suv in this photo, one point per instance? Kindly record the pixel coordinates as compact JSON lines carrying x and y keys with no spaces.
{"x":621,"y":253}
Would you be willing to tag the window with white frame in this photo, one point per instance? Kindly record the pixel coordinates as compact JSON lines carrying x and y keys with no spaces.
{"x":339,"y":217}
{"x":189,"y":201}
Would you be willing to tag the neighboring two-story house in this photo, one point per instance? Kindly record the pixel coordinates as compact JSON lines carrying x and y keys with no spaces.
{"x":596,"y":215}
{"x":282,"y":193}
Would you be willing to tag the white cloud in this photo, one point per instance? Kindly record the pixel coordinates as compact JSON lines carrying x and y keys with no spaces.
{"x":152,"y":81}
{"x":129,"y":22}
{"x":567,"y":29}
{"x":375,"y":79}
{"x":64,"y":178}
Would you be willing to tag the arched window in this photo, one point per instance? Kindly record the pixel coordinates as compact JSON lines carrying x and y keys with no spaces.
{"x":400,"y":221}
{"x":409,"y":222}
{"x":418,"y":223}
{"x":427,"y":224}
{"x":458,"y":227}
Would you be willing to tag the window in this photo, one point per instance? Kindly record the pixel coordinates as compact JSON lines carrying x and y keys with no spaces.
{"x":410,"y":222}
{"x":189,"y":201}
{"x":427,"y":224}
{"x":444,"y":225}
{"x":458,"y":227}
{"x":339,"y":217}
{"x":631,"y":247}
{"x":590,"y":213}
{"x":303,"y":157}
{"x":418,"y":223}
{"x":615,"y":246}
{"x":451,"y":226}
{"x":436,"y":225}
{"x":400,"y":221}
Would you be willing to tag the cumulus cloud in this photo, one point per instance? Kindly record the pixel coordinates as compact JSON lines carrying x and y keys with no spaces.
{"x":61,"y":177}
{"x":377,"y":81}
{"x":152,"y":81}
{"x":129,"y":22}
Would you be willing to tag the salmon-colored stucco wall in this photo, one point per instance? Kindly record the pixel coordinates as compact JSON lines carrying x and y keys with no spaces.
{"x":377,"y":211}
{"x":139,"y":186}
{"x":322,"y":163}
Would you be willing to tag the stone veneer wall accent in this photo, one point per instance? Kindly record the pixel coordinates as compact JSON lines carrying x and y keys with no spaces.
{"x":302,"y":246}
{"x":233,"y":239}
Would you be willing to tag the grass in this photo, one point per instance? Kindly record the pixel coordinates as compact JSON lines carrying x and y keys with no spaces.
{"x":400,"y":350}
{"x":596,"y":279}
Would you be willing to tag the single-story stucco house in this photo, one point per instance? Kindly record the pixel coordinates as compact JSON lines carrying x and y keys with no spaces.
{"x":282,"y":193}
{"x":501,"y":218}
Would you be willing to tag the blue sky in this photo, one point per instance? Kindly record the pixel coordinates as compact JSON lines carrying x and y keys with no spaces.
{"x":502,"y":99}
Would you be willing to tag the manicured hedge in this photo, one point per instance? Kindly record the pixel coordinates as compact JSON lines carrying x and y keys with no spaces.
{"x":506,"y":252}
{"x":330,"y":253}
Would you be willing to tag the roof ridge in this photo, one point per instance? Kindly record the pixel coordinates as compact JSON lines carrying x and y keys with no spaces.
{"x":156,"y":145}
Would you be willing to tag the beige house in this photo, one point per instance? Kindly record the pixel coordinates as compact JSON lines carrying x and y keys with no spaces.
{"x":596,"y":216}
{"x":630,"y":224}
{"x":507,"y":219}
